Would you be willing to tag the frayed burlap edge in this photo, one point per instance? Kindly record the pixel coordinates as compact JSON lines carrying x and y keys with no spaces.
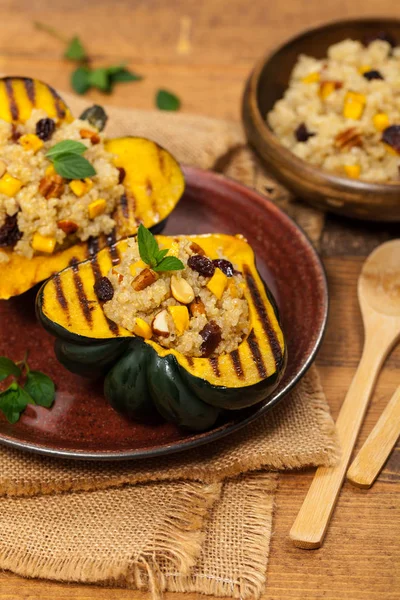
{"x":177,"y":543}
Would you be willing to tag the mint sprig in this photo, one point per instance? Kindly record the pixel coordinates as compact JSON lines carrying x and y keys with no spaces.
{"x":166,"y":100}
{"x":68,"y":161}
{"x":38,"y":389}
{"x":153,"y":256}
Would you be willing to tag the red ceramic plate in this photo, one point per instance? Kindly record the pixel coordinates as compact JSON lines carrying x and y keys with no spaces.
{"x":82,"y":425}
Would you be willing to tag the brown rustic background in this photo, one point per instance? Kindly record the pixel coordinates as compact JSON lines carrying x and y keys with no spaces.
{"x":203,"y":51}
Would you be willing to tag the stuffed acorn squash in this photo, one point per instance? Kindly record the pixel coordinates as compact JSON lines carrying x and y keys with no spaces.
{"x":65,"y":190}
{"x":184,"y":326}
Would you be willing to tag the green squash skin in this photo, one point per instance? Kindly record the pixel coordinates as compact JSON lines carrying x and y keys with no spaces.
{"x":89,"y":361}
{"x":125,"y":386}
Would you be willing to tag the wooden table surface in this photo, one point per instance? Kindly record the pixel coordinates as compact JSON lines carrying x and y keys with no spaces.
{"x":203,"y":51}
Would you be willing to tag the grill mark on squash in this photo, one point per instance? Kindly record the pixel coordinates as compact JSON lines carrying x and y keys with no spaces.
{"x":80,"y":292}
{"x":62,"y":301}
{"x":256,"y":354}
{"x":93,"y":246}
{"x":124,"y":206}
{"x":112,"y":249}
{"x":237,"y":365}
{"x":30,"y":89}
{"x":11,"y":99}
{"x":263,"y":316}
{"x":190,"y":361}
{"x":113,"y":327}
{"x":58,"y":103}
{"x":213,"y":360}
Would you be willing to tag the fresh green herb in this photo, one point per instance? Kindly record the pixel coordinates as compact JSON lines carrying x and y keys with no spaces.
{"x":80,"y":80}
{"x":102,"y":78}
{"x":66,"y":147}
{"x":166,"y":100}
{"x":68,"y":160}
{"x":123,"y":75}
{"x":153,"y":256}
{"x":38,"y":389}
{"x":75,"y":50}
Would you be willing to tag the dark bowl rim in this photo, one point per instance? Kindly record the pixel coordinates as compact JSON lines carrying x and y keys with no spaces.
{"x":221,"y":431}
{"x":250,"y":98}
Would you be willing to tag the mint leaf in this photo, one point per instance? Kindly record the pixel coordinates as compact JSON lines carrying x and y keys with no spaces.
{"x":169,"y":263}
{"x":73,"y":166}
{"x":148,"y":247}
{"x":124,"y":76}
{"x":41,"y":388}
{"x":75,"y":50}
{"x":166,"y":100}
{"x":13,"y":401}
{"x":160,"y":255}
{"x":80,"y":80}
{"x":66,"y":146}
{"x":8,"y":367}
{"x":100,"y":79}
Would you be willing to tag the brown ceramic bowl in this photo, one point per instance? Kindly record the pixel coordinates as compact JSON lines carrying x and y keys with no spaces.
{"x":82,"y":425}
{"x":267,"y":84}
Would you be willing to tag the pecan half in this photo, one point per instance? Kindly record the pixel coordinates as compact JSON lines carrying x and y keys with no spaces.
{"x":349,"y":138}
{"x":67,"y":227}
{"x":51,"y":186}
{"x":90,"y":135}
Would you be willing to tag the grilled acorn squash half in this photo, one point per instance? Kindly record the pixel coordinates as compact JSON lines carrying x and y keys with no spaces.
{"x":141,"y":375}
{"x":153,"y":180}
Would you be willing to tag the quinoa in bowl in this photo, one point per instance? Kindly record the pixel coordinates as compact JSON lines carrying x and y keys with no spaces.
{"x":199,"y":310}
{"x":41,"y":211}
{"x":342,"y":113}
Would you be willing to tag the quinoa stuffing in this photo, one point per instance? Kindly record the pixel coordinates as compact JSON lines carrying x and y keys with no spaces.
{"x":342,"y":112}
{"x":40,"y":210}
{"x":198,"y":309}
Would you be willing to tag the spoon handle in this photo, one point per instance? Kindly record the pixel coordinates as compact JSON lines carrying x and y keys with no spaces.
{"x":369,"y":461}
{"x":309,"y":528}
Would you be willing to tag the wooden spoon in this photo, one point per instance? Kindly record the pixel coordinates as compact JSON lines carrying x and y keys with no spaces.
{"x":379,"y":298}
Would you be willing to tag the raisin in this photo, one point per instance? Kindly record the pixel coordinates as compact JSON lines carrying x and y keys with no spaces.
{"x":212,"y":335}
{"x":302,"y":134}
{"x":9,"y":232}
{"x":381,"y":35}
{"x":370,"y":75}
{"x":45,"y":129}
{"x":225,"y":266}
{"x":103,"y":289}
{"x":203,"y":265}
{"x":391,"y":136}
{"x":121,"y":174}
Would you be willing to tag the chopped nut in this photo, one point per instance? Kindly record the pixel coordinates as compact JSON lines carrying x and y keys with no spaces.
{"x":118,"y":275}
{"x":352,"y":171}
{"x":144,"y":279}
{"x":349,"y":138}
{"x":97,"y":208}
{"x":180,"y":317}
{"x":67,"y":227}
{"x":9,"y":185}
{"x":3,"y":167}
{"x":181,"y":290}
{"x":212,"y":335}
{"x":43,"y":243}
{"x":197,"y":307}
{"x":90,"y":135}
{"x":51,"y":186}
{"x":142,"y":329}
{"x":197,"y":249}
{"x":160,"y":324}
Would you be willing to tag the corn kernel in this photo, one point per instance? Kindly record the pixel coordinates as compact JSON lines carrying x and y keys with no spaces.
{"x":139,"y":264}
{"x":311,"y":78}
{"x":381,"y":121}
{"x":81,"y":187}
{"x":30,"y":141}
{"x":43,"y":243}
{"x":352,"y":171}
{"x":142,"y":329}
{"x":364,"y":69}
{"x":353,"y":106}
{"x":218,"y":283}
{"x":9,"y":185}
{"x":326,"y":89}
{"x":50,"y":170}
{"x":97,"y":208}
{"x":180,"y":317}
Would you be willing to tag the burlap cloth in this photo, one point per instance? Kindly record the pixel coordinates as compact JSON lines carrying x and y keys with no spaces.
{"x":174,"y":523}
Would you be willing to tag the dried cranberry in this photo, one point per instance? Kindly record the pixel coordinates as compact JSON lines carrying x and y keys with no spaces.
{"x":381,"y":35}
{"x":370,"y":75}
{"x":391,"y":136}
{"x":9,"y":232}
{"x":103,"y":289}
{"x":203,"y":265}
{"x":226,"y":267}
{"x":45,"y":129}
{"x":302,"y":134}
{"x":212,"y":335}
